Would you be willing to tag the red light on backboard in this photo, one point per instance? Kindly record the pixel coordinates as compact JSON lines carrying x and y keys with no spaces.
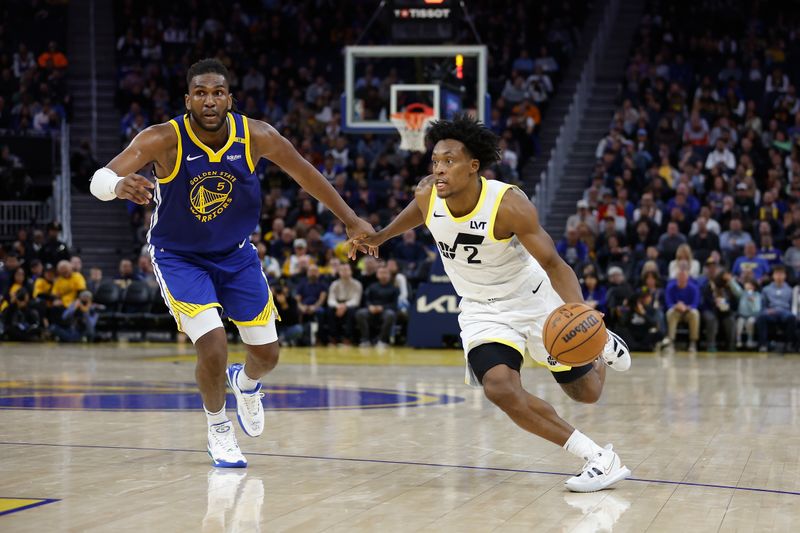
{"x":433,"y":2}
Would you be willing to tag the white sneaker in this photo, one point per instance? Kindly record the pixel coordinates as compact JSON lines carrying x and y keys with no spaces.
{"x":249,"y":409}
{"x":616,"y":354}
{"x":599,"y":472}
{"x":223,"y":448}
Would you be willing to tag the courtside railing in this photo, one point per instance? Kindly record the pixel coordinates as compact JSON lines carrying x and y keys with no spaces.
{"x":15,"y":215}
{"x":547,"y":188}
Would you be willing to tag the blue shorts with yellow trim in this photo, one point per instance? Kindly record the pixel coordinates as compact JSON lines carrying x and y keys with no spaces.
{"x":232,"y":280}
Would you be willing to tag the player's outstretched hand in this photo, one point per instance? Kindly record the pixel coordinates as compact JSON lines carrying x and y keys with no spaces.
{"x":359,"y":230}
{"x":370,"y":242}
{"x":134,"y":187}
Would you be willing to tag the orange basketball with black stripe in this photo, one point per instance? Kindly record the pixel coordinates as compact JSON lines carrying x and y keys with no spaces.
{"x":574,"y":334}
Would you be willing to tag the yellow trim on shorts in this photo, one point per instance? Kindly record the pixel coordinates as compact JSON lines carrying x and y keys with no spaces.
{"x":250,"y":164}
{"x":188,"y":309}
{"x":213,"y":157}
{"x":263,"y":317}
{"x":178,"y":158}
{"x":499,"y":341}
{"x":430,"y":206}
{"x":475,"y":210}
{"x":558,"y":368}
{"x":493,"y":216}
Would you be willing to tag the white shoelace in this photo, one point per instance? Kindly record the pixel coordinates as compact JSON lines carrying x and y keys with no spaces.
{"x":252,"y":401}
{"x":226,"y":441}
{"x":594,"y":464}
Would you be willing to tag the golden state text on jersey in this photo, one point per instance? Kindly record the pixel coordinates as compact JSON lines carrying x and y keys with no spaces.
{"x":212,"y":199}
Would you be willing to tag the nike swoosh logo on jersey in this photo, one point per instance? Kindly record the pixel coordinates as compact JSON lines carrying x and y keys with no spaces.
{"x":190,"y":158}
{"x":437,"y":215}
{"x":537,"y":287}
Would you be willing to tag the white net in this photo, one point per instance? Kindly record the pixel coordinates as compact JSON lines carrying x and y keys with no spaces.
{"x":412,"y":128}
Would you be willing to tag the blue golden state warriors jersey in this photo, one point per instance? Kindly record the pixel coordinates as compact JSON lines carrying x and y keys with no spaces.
{"x":212,"y":200}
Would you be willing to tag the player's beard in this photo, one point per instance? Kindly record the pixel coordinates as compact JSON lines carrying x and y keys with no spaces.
{"x":200,"y":121}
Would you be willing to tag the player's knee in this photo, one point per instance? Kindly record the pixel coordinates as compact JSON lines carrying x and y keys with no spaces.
{"x":588,"y":396}
{"x":500,"y":388}
{"x":267,"y":354}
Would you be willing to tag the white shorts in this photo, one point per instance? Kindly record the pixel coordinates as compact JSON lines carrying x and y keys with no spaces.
{"x":516,"y":321}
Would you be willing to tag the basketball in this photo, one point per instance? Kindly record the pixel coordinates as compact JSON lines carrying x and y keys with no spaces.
{"x":574,"y":334}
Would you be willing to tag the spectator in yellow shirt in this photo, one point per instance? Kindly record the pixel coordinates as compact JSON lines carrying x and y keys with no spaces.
{"x":68,"y":283}
{"x":43,"y":286}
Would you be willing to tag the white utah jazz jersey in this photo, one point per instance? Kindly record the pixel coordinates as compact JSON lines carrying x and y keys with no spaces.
{"x":480,"y":267}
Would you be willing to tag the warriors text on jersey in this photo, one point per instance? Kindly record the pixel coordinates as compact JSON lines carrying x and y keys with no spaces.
{"x":212,"y":200}
{"x":480,"y":266}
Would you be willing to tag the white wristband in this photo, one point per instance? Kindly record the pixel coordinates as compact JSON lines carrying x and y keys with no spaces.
{"x":103,"y":184}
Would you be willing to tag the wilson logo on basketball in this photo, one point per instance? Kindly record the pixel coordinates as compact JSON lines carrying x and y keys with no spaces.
{"x":583,"y":327}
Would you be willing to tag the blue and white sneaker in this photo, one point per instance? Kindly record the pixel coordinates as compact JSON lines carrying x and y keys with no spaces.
{"x":601,"y":471}
{"x":249,"y":409}
{"x":615,"y":353}
{"x":223,"y":448}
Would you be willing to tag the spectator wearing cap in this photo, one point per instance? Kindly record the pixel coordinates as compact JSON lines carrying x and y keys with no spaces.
{"x":293,"y":265}
{"x":749,"y":265}
{"x":776,"y":309}
{"x":682,"y":300}
{"x":572,"y":250}
{"x":669,"y":242}
{"x":54,"y":250}
{"x":617,"y":296}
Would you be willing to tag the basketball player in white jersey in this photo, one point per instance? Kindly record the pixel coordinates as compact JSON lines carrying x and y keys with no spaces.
{"x":510,"y":278}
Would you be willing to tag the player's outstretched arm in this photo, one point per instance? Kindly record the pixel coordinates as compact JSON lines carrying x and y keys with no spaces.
{"x":409,"y":218}
{"x":517,"y":216}
{"x":156,"y":144}
{"x":269,"y":143}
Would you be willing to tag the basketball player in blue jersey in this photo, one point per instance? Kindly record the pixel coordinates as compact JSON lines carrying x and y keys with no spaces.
{"x":510,"y":278}
{"x":208,"y":200}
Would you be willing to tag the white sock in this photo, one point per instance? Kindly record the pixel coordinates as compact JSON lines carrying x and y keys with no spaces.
{"x":216,"y":418}
{"x":582,"y":446}
{"x":245,"y":382}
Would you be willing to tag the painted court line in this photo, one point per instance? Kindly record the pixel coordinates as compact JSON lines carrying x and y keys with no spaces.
{"x":42,"y":501}
{"x":407,"y":463}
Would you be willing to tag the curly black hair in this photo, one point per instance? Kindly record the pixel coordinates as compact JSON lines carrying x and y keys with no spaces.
{"x":209,"y":65}
{"x":480,"y":142}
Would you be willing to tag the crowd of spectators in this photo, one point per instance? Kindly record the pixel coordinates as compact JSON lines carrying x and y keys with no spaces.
{"x":33,"y":86}
{"x":286,"y":68}
{"x":691,"y":214}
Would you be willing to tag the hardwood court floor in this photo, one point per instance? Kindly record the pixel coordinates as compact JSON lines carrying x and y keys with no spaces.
{"x":107,"y":438}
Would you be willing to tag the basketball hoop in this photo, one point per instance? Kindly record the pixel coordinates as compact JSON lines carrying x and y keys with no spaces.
{"x":412,"y":123}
